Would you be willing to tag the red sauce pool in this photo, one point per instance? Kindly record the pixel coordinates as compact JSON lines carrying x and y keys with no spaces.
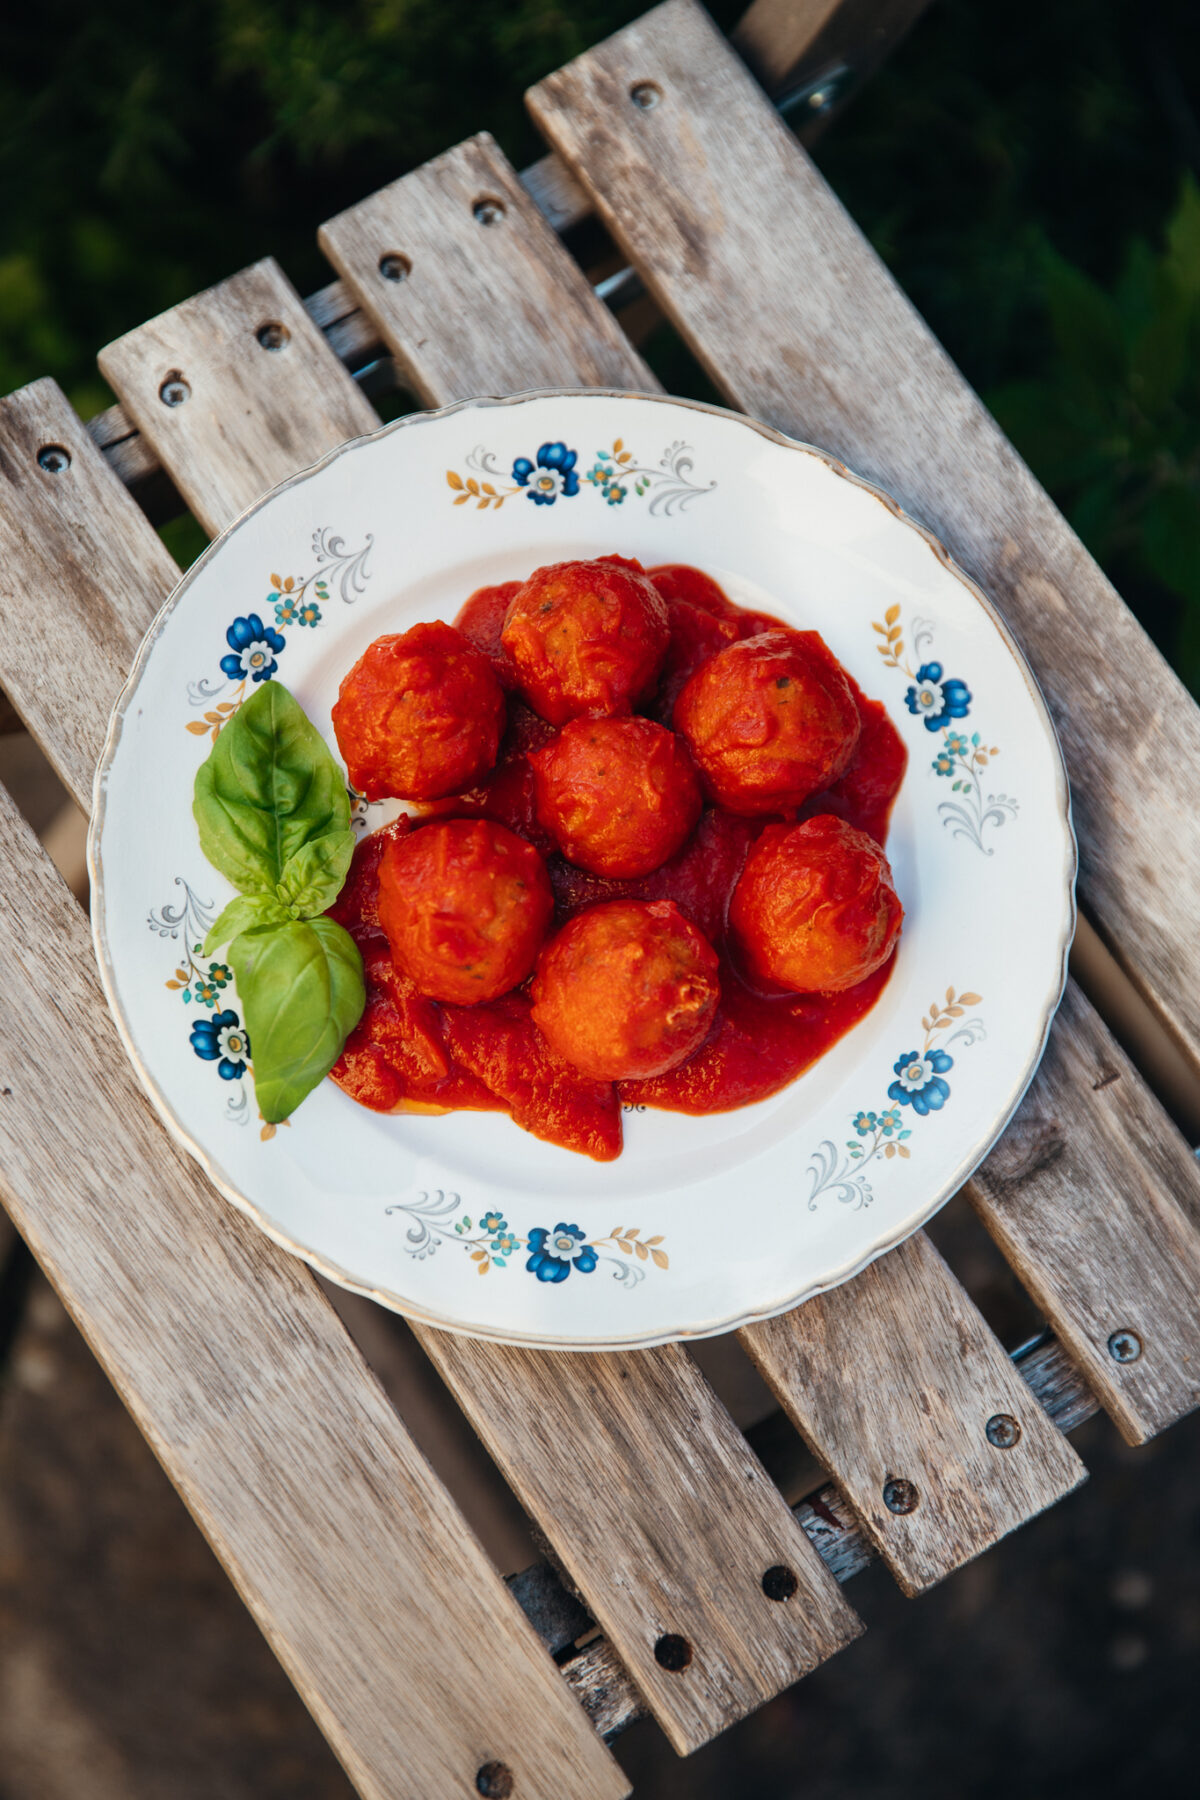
{"x":411,"y":1053}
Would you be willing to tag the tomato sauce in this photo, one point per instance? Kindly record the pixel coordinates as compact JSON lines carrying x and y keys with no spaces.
{"x":415,"y":1054}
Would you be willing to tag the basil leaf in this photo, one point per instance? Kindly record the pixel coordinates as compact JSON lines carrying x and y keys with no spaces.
{"x":302,"y":993}
{"x":312,"y":878}
{"x":245,"y":913}
{"x":268,"y":787}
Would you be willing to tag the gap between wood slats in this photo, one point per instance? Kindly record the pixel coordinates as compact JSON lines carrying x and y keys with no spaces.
{"x":601,"y":1683}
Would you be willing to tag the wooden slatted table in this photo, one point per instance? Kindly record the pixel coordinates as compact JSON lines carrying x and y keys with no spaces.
{"x":416,"y":1660}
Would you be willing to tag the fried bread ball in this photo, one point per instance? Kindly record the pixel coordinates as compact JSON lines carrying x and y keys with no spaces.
{"x":769,"y":721}
{"x":815,"y":909}
{"x":465,"y":904}
{"x":618,"y":796}
{"x":586,"y":637}
{"x":626,"y":989}
{"x":419,"y":716}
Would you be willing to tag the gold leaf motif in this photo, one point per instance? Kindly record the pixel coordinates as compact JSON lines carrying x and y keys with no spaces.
{"x":268,"y":1132}
{"x":902,"y":1149}
{"x":461,"y":499}
{"x":454,"y":480}
{"x":641,"y":1249}
{"x":892,"y":614}
{"x":971,"y":999}
{"x":661,"y":1259}
{"x":174,"y":986}
{"x":624,"y":1244}
{"x":198,"y":726}
{"x":277,"y":581}
{"x":618,"y":445}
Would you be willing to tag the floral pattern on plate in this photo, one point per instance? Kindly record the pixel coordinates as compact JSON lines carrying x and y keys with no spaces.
{"x":221,"y":1037}
{"x":940,"y":701}
{"x":255,"y":644}
{"x":551,"y":1253}
{"x":552,"y":474}
{"x":920,"y":1085}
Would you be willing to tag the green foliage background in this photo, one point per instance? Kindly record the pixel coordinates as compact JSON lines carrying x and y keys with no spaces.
{"x":1028,"y":172}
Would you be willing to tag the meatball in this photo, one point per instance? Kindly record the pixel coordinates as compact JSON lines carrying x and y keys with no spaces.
{"x":769,"y":721}
{"x":465,"y":904}
{"x":586,"y":637}
{"x":815,"y":910}
{"x":627,"y":989}
{"x":618,"y":796}
{"x":419,"y":715}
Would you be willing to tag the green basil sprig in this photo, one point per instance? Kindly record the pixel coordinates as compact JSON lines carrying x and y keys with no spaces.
{"x":274,"y":818}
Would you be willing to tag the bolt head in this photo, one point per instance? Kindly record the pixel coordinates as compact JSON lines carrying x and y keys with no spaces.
{"x":494,"y":1780}
{"x":273,"y":335}
{"x":394,"y":267}
{"x":174,"y":390}
{"x":53,"y":458}
{"x":645,"y":94}
{"x":1003,"y":1431}
{"x":900,"y":1496}
{"x":488,"y":212}
{"x":1124,"y":1346}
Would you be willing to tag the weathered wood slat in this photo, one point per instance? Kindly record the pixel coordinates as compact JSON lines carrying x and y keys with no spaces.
{"x":798,"y":321}
{"x":186,"y":378}
{"x":685,"y":1556}
{"x":410,"y":251}
{"x":897,"y":1442}
{"x":708,"y":193}
{"x":599,"y":1479}
{"x":351,"y":1555}
{"x":418,"y":217}
{"x":1088,"y":1206}
{"x":87,"y":641}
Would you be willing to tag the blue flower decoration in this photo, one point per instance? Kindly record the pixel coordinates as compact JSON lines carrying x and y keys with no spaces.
{"x":285,"y":612}
{"x":493,"y":1221}
{"x":956,"y":744}
{"x":864,"y":1124}
{"x":505,"y":1244}
{"x":223,"y":1038}
{"x":255,"y":647}
{"x":553,"y":474}
{"x":310,"y":613}
{"x":555,"y":1253}
{"x":890,"y":1121}
{"x":920,"y":1083}
{"x":943,"y":764}
{"x":936,"y":700}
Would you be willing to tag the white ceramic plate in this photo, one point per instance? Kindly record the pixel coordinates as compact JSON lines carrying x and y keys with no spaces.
{"x":701,"y":1224}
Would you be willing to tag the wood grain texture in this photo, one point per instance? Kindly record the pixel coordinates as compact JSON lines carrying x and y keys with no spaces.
{"x":679,"y":1512}
{"x":81,"y":577}
{"x":866,"y":1378}
{"x":222,"y":449}
{"x":529,"y":305}
{"x":355,"y":1562}
{"x":1094,"y":1196}
{"x":535,"y":1408}
{"x":714,"y":202}
{"x":463,"y":294}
